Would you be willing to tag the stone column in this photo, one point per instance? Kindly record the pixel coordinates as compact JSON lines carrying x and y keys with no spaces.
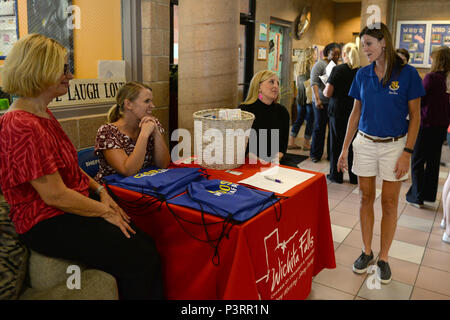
{"x":155,"y":33}
{"x":382,"y":7}
{"x":208,"y":57}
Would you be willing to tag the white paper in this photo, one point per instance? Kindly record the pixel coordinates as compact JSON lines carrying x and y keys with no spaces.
{"x":289,"y":178}
{"x":324,"y":78}
{"x":230,"y":114}
{"x":330,"y":67}
{"x":108,"y":69}
{"x":7,"y":8}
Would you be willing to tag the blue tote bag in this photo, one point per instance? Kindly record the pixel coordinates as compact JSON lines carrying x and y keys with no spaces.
{"x":159,"y":183}
{"x":225,"y":199}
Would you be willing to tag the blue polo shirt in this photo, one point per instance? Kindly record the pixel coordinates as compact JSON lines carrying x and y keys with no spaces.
{"x":384,"y":109}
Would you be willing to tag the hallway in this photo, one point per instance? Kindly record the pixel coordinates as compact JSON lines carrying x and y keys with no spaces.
{"x":419,"y":260}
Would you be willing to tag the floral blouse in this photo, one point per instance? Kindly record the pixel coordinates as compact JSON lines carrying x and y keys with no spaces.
{"x":110,"y":137}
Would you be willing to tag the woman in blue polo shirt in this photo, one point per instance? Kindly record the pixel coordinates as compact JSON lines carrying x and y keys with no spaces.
{"x":386,"y":115}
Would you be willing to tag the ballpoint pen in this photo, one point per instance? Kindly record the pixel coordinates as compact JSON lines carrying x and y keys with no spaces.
{"x":273,"y":179}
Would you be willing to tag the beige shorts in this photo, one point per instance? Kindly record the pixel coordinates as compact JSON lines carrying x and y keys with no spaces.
{"x":377,"y":158}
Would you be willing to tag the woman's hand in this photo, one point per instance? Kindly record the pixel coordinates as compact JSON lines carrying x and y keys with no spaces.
{"x":106,"y":199}
{"x":116,"y":219}
{"x":148,"y":126}
{"x":402,"y":165}
{"x":342,"y":164}
{"x":115,"y":214}
{"x":280,"y":156}
{"x":318,"y":104}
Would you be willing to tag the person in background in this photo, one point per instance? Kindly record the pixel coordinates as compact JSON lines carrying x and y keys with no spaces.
{"x":445,"y":223}
{"x":304,"y":106}
{"x":435,"y":118}
{"x":339,"y":108}
{"x":331,"y":52}
{"x":386,"y":92}
{"x":404,"y":54}
{"x":47,"y":191}
{"x":271,"y":124}
{"x":132,"y":139}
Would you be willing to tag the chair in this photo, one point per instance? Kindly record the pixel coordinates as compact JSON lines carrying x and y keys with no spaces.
{"x":28,"y":275}
{"x":88,"y":161}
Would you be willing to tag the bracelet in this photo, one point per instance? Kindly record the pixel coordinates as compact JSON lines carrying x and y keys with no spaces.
{"x":99,"y":189}
{"x":408,"y":150}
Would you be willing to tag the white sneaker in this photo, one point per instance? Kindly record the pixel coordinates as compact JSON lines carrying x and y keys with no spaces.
{"x":446,"y":238}
{"x":416,"y":205}
{"x":443,"y":224}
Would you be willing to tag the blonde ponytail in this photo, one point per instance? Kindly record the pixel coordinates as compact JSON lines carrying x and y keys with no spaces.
{"x":114,"y":113}
{"x":351,"y":50}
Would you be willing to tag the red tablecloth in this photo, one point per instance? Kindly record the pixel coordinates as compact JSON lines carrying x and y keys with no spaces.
{"x":274,"y":255}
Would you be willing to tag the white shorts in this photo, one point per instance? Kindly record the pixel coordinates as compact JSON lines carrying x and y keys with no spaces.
{"x":377,"y":158}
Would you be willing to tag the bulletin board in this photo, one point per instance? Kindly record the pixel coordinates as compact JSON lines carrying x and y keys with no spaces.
{"x":420,"y":38}
{"x":9,"y":31}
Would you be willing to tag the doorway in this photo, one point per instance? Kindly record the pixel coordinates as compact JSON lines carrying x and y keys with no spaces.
{"x":279,"y":58}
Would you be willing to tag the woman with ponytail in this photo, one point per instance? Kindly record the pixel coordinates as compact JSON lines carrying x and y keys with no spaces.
{"x":339,"y":109}
{"x":132,"y":138}
{"x":385,"y":119}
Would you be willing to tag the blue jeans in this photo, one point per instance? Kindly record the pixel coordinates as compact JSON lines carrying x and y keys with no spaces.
{"x":303,"y":113}
{"x":319,"y":132}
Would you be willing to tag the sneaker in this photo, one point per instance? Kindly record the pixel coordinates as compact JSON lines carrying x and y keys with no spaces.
{"x":315,"y":160}
{"x":331,"y":179}
{"x":446,"y":238}
{"x":416,"y":205}
{"x":385,"y":272}
{"x":443,"y":224}
{"x":361,"y":264}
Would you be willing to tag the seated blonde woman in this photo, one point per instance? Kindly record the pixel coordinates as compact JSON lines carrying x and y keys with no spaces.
{"x":271,"y":118}
{"x":132,"y":139}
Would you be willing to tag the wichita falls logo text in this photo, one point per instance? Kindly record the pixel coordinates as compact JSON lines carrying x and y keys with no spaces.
{"x":287,"y":261}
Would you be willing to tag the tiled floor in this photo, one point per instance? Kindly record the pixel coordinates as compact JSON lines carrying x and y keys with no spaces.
{"x":419,"y":260}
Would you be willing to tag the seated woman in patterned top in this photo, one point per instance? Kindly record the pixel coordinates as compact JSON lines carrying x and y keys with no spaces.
{"x":132,"y":139}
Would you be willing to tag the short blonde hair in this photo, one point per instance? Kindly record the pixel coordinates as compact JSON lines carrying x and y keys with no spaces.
{"x":253,"y":91}
{"x":129,"y":91}
{"x":34,"y":63}
{"x":351,"y":50}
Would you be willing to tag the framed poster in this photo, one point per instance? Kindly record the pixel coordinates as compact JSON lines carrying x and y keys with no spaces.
{"x":440,"y":36}
{"x":411,"y":36}
{"x":8,"y":27}
{"x":262,"y":53}
{"x":262,"y":32}
{"x":49,"y":17}
{"x":420,"y":38}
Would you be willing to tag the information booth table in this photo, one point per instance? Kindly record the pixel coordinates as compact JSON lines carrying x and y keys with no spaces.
{"x":274,"y":255}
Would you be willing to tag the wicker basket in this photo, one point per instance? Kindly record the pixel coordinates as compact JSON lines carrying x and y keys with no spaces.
{"x":233,"y":154}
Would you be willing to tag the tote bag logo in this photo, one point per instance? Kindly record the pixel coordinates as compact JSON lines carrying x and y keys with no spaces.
{"x":225,"y":187}
{"x":150,"y":173}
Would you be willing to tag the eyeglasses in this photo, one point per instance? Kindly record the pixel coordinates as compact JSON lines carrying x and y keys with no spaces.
{"x":66,"y":69}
